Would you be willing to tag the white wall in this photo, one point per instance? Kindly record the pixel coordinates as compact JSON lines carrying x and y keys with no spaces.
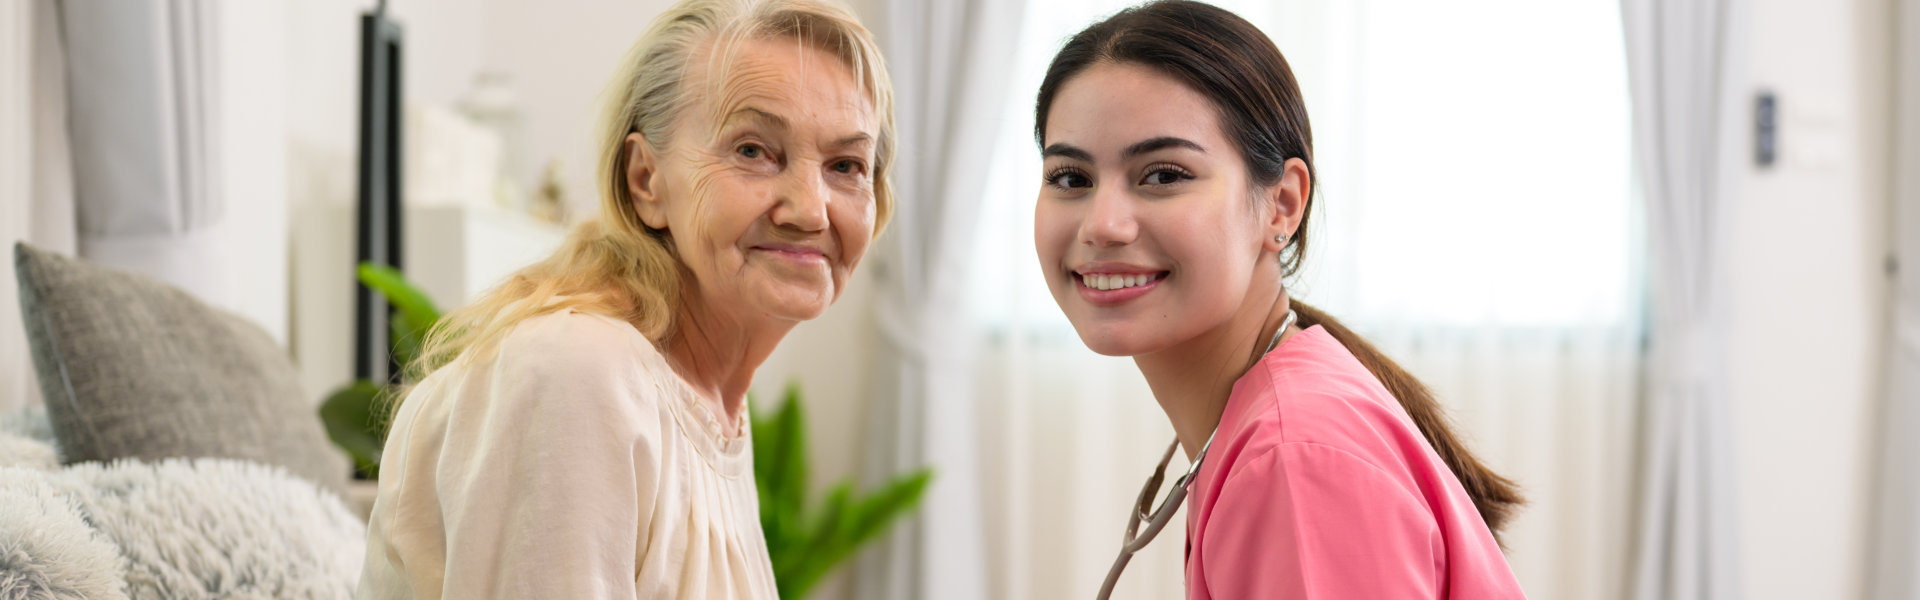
{"x":253,"y":168}
{"x":1806,"y":249}
{"x":16,"y":131}
{"x":560,"y":55}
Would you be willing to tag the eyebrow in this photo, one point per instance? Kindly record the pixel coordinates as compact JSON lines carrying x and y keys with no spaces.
{"x":1068,"y":151}
{"x":1160,"y":143}
{"x":855,"y":139}
{"x":756,"y":114}
{"x":779,"y":122}
{"x":1139,"y":148}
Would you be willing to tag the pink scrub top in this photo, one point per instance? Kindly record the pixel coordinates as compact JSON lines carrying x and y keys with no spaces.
{"x":1318,"y":485}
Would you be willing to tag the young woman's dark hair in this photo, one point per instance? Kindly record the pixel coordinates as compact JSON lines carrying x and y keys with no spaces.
{"x":1235,"y":65}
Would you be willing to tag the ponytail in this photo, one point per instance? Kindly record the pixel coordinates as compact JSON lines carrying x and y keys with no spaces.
{"x":1496,"y":497}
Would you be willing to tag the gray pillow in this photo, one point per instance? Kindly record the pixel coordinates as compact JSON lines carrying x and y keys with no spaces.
{"x":133,"y":368}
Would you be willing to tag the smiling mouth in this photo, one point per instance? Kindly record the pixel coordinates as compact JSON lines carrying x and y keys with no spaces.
{"x":793,"y":252}
{"x":1107,"y":282}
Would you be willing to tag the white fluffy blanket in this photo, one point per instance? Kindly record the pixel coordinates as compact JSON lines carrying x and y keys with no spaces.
{"x":47,"y":550}
{"x":175,"y":529}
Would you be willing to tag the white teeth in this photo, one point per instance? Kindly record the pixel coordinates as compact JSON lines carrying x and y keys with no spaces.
{"x":1114,"y":282}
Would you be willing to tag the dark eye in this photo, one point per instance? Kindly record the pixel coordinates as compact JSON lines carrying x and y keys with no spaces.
{"x":849,"y":167}
{"x":1165,"y":176}
{"x":1069,"y":178}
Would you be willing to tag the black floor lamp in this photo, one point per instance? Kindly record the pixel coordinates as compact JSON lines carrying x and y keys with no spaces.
{"x":379,"y":224}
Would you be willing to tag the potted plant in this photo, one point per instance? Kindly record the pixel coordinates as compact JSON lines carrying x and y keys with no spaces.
{"x":807,"y":540}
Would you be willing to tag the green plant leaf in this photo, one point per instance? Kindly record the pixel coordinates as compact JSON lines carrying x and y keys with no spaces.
{"x":350,"y":416}
{"x":773,"y":518}
{"x":761,"y":425}
{"x":399,"y":292}
{"x":791,"y":454}
{"x":798,"y":571}
{"x":406,"y":338}
{"x":787,"y":478}
{"x":808,"y":540}
{"x":874,"y":513}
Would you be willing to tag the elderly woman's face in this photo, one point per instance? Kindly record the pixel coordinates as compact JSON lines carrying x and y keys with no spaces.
{"x":766,"y":185}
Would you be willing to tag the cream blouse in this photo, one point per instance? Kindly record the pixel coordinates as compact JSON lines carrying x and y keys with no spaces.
{"x":574,"y":463}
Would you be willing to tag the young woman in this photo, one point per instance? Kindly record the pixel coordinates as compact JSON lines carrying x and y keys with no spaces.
{"x":581,"y":432}
{"x":1178,"y":180}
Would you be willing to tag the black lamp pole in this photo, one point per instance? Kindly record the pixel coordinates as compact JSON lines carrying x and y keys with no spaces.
{"x":379,"y":215}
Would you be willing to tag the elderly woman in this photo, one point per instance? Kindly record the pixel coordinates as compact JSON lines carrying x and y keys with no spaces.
{"x":580,"y":431}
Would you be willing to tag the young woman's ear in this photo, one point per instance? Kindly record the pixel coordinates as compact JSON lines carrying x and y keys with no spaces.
{"x":1288,"y":201}
{"x":641,"y":181}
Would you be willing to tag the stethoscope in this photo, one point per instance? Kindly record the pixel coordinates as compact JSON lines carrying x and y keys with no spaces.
{"x":1158,"y":518}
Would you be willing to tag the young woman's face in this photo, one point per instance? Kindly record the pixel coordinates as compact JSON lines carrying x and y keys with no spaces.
{"x":767,"y":186}
{"x":1146,"y":226}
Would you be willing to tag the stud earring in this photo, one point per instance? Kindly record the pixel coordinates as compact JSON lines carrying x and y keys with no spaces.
{"x":1280,"y":239}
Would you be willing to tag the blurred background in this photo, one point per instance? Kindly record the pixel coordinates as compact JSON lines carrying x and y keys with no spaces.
{"x":1647,"y":252}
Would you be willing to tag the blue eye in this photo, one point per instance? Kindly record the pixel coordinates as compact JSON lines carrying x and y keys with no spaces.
{"x":753,"y":151}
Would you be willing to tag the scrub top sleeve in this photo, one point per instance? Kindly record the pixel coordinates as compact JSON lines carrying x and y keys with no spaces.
{"x":1308,"y":520}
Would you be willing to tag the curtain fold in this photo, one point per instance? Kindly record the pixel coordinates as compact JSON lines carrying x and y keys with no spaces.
{"x":16,"y":135}
{"x":120,"y":166}
{"x":946,"y":59}
{"x":1681,"y":70}
{"x":142,"y":96}
{"x":36,"y":170}
{"x":1896,"y":517}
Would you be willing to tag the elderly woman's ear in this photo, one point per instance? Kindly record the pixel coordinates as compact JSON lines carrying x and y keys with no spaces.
{"x":641,"y":171}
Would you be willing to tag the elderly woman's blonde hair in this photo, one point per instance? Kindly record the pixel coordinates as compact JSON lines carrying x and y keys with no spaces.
{"x":614,"y":264}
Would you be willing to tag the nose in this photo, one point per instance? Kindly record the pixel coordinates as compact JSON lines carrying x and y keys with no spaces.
{"x":803,"y":200}
{"x":1109,"y":220}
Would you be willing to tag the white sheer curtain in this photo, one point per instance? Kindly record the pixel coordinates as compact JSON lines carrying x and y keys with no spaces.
{"x":1897,"y":513}
{"x":1475,"y":219}
{"x":1682,"y":59}
{"x":945,"y":59}
{"x":143,"y":82}
{"x":16,"y":135}
{"x":36,"y":170}
{"x":122,"y":160}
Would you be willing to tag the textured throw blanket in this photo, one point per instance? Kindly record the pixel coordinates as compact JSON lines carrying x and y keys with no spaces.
{"x":173,"y":529}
